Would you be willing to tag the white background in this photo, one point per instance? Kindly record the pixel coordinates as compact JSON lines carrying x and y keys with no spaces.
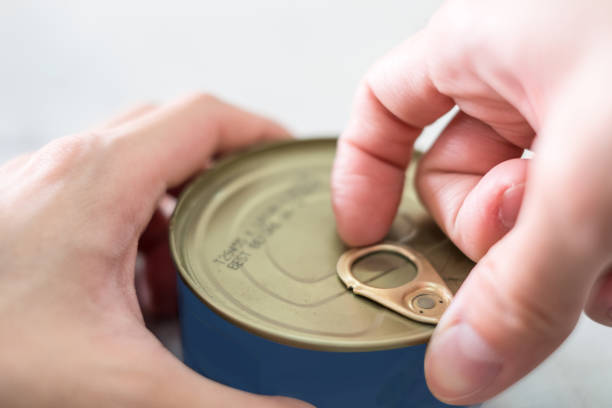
{"x":65,"y":65}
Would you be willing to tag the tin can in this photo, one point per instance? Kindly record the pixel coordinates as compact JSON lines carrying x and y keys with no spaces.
{"x":261,"y":306}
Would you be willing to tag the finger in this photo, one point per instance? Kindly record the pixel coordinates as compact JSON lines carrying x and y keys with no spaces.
{"x":157,"y":230}
{"x":395,"y":101}
{"x":199,"y":128}
{"x":128,"y":115}
{"x":176,"y":191}
{"x":472,"y":181}
{"x":160,"y":278}
{"x":164,"y":148}
{"x":526,"y":294}
{"x":156,"y":275}
{"x":599,"y":305}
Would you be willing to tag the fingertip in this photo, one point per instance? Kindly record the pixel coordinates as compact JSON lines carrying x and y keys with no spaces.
{"x":366,"y":193}
{"x":353,"y":229}
{"x":475,"y":211}
{"x":460,"y":364}
{"x":273,"y":130}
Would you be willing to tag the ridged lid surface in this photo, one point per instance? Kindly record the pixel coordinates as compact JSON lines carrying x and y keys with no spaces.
{"x":255,"y":239}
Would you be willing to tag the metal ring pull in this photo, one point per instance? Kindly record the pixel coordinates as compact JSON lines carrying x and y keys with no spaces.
{"x":424,"y":299}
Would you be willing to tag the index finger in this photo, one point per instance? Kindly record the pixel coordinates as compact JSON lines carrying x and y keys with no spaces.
{"x":166,"y":147}
{"x":392,"y":105}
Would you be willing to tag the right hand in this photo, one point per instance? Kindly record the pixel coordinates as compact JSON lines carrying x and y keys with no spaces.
{"x":525,"y":74}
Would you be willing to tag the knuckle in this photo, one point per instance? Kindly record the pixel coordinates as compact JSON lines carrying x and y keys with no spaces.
{"x":85,"y":190}
{"x":201,"y":98}
{"x":59,"y":157}
{"x":456,"y":19}
{"x":69,"y":149}
{"x":65,"y":148}
{"x":69,"y":155}
{"x":454,"y":66}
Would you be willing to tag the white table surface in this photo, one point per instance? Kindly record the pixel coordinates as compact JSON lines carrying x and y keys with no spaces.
{"x":65,"y":65}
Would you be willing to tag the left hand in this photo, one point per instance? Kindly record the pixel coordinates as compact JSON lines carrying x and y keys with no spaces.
{"x":71,"y":330}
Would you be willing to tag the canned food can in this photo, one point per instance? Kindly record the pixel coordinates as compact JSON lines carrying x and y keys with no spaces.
{"x":261,"y":306}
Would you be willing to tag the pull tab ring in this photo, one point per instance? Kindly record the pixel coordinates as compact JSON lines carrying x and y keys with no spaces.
{"x":423,"y":299}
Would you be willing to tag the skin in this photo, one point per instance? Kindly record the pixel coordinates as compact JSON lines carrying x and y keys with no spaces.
{"x":524,"y":74}
{"x":72,"y":215}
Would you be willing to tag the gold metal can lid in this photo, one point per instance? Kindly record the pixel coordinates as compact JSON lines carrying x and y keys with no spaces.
{"x":255,"y":239}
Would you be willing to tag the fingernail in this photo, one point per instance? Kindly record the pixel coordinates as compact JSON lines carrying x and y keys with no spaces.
{"x":460,"y":363}
{"x":511,"y":204}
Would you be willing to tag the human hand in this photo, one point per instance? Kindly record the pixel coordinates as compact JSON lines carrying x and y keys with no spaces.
{"x":525,"y":75}
{"x":71,"y":330}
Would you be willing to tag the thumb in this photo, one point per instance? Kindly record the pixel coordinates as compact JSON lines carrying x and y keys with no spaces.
{"x":509,"y":315}
{"x":167,"y":382}
{"x":526,"y":294}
